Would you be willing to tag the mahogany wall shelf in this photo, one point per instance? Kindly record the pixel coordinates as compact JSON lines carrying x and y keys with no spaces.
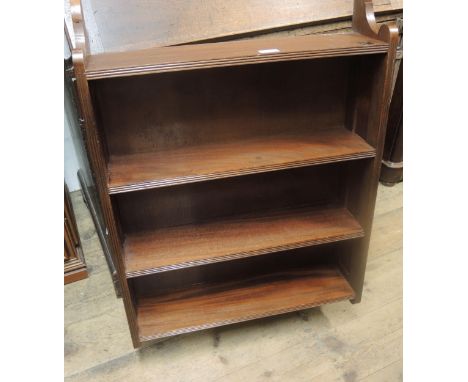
{"x":237,"y":179}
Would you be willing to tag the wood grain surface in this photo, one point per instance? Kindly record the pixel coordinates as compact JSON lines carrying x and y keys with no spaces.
{"x":149,"y":111}
{"x":199,"y":56}
{"x":226,"y":159}
{"x":320,"y":344}
{"x":74,"y":263}
{"x":216,"y":199}
{"x":234,"y":238}
{"x":118,"y":25}
{"x":215,"y":304}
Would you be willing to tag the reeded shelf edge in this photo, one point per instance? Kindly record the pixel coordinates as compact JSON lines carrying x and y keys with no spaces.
{"x":151,"y":252}
{"x":212,"y":305}
{"x":243,"y":255}
{"x":129,"y":173}
{"x":167,"y":68}
{"x":228,"y":174}
{"x":349,"y":296}
{"x":231,"y":53}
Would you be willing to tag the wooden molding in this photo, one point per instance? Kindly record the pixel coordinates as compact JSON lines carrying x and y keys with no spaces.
{"x":79,"y":29}
{"x":364,"y":22}
{"x":232,"y":53}
{"x":74,"y":264}
{"x":228,"y":303}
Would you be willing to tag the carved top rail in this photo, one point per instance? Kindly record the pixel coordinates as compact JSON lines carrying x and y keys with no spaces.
{"x":81,"y":48}
{"x":364,"y":22}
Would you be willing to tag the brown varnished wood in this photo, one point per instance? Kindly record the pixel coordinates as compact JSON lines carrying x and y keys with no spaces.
{"x":296,"y":336}
{"x":211,"y":305}
{"x":70,"y":221}
{"x":75,"y":270}
{"x":74,"y":264}
{"x":392,"y":164}
{"x":226,"y":159}
{"x":204,"y":201}
{"x":81,"y":47}
{"x":162,"y":283}
{"x":393,"y":150}
{"x":336,"y":26}
{"x":169,"y":59}
{"x":369,"y":119}
{"x":186,"y":246}
{"x":96,"y":157}
{"x":148,"y":114}
{"x":118,"y":25}
{"x":153,"y":120}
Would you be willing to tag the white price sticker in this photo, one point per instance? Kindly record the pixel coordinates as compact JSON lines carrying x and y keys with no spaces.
{"x":268,"y":51}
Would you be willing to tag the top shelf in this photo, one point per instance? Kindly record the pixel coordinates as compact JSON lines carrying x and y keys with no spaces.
{"x":189,"y":57}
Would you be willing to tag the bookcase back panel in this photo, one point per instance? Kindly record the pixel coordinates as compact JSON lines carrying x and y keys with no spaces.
{"x":364,"y":73}
{"x":172,"y":110}
{"x":197,"y":202}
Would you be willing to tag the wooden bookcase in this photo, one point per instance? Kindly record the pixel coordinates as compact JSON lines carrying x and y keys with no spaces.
{"x":237,"y":179}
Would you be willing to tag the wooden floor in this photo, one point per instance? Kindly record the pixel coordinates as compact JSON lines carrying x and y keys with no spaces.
{"x":337,"y":342}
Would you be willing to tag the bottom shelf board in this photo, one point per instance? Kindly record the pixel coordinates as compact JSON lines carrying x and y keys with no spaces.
{"x":217,"y":304}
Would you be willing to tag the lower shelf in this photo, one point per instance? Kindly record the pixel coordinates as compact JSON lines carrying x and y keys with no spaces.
{"x":216,"y":304}
{"x":193,"y":245}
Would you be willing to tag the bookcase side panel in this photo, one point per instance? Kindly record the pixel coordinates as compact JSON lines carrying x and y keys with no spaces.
{"x":98,"y":167}
{"x":367,"y":115}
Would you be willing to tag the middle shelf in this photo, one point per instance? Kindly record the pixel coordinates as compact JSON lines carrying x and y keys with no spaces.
{"x":166,"y":249}
{"x":219,"y":160}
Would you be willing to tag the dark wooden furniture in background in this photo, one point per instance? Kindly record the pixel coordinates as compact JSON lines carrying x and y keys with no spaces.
{"x":237,"y":179}
{"x":392,"y":163}
{"x":75,"y":266}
